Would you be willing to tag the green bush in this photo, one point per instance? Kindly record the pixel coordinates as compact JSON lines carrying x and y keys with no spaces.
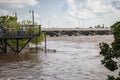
{"x":111,"y":52}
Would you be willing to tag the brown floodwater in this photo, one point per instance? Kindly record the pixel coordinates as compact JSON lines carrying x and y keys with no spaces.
{"x":76,"y":58}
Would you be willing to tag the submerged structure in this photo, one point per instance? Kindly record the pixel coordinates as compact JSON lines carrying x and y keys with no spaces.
{"x":11,"y":36}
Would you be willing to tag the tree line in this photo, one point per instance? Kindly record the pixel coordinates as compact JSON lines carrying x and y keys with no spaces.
{"x":11,"y":20}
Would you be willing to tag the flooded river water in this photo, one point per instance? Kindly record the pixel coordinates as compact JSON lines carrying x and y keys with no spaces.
{"x":76,"y":58}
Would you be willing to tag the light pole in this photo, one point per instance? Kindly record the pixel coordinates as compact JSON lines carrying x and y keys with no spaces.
{"x":15,"y":14}
{"x":32,"y":12}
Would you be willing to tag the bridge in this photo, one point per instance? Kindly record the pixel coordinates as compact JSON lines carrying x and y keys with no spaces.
{"x":76,"y":31}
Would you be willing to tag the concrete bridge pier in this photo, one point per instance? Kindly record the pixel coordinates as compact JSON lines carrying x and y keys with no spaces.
{"x":59,"y":34}
{"x":78,"y":33}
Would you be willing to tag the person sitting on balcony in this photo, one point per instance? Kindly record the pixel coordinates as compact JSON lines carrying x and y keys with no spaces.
{"x":12,"y":31}
{"x":23,"y":29}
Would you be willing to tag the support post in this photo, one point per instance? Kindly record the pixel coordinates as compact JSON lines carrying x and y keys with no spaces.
{"x":45,"y":44}
{"x":25,"y":44}
{"x":17,"y":45}
{"x":5,"y":46}
{"x":10,"y":46}
{"x":39,"y":29}
{"x":2,"y":45}
{"x":36,"y":45}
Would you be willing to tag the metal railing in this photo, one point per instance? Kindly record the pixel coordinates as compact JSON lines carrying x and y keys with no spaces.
{"x":10,"y":29}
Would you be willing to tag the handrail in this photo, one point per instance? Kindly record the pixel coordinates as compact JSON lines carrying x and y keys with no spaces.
{"x":16,"y":29}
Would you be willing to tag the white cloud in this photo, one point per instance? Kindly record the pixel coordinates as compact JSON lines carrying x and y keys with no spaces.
{"x":72,"y":5}
{"x":96,"y":10}
{"x":100,"y":6}
{"x":37,"y":18}
{"x":4,"y":12}
{"x":38,"y":6}
{"x":18,"y":3}
{"x":36,"y":15}
{"x":54,"y":16}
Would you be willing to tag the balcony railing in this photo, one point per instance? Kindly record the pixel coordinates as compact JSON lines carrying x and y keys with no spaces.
{"x":19,"y":31}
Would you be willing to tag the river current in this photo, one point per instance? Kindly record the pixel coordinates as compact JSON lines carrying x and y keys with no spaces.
{"x":73,"y":60}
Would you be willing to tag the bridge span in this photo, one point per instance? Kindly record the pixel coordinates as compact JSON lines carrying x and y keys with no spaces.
{"x":76,"y":31}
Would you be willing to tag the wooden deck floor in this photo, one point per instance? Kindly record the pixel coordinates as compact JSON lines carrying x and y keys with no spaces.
{"x":22,"y":36}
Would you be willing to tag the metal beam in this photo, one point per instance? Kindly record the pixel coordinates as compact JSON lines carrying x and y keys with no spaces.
{"x":17,"y":45}
{"x":25,"y":44}
{"x":5,"y":46}
{"x":10,"y":47}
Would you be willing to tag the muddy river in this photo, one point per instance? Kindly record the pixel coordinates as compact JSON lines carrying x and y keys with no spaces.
{"x":76,"y":58}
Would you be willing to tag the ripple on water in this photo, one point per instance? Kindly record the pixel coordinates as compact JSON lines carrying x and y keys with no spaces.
{"x":72,"y":61}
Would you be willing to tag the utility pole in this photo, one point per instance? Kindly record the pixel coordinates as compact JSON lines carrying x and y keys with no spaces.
{"x":32,"y":12}
{"x":15,"y":14}
{"x":40,"y":21}
{"x":45,"y":43}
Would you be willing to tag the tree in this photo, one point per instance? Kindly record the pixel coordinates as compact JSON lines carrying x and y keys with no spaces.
{"x":11,"y":22}
{"x":8,"y":20}
{"x":111,"y":52}
{"x":25,"y":22}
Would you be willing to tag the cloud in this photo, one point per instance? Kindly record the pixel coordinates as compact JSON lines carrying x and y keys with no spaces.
{"x":37,"y":18}
{"x":54,"y":16}
{"x":88,"y":8}
{"x":36,"y":15}
{"x":18,"y":3}
{"x":116,"y":4}
{"x":92,"y":10}
{"x":4,"y":12}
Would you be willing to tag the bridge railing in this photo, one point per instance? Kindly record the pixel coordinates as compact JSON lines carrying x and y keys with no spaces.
{"x":73,"y":29}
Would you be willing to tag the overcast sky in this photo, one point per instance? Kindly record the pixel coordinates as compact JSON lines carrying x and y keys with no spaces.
{"x":64,"y":13}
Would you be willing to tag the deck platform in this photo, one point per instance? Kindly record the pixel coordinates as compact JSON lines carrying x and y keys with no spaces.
{"x":13,"y":32}
{"x":22,"y":36}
